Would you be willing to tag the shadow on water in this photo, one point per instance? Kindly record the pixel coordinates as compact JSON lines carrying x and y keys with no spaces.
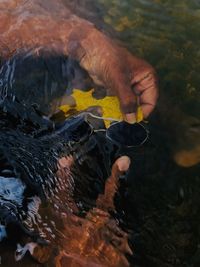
{"x":158,"y":202}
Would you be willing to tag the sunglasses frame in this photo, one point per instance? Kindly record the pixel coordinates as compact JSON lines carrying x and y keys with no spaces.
{"x":106,"y":130}
{"x":128,"y":146}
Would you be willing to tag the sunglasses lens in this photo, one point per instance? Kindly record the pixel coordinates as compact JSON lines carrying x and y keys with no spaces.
{"x":80,"y":132}
{"x":127,"y":135}
{"x":75,"y":129}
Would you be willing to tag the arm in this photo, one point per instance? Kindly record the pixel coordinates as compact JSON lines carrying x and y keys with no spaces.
{"x":36,"y":26}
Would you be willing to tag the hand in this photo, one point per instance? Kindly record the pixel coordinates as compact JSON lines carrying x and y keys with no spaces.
{"x":140,"y":89}
{"x":106,"y":201}
{"x":132,"y":79}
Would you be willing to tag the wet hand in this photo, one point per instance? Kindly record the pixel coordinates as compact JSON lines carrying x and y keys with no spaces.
{"x":133,"y":80}
{"x":144,"y":84}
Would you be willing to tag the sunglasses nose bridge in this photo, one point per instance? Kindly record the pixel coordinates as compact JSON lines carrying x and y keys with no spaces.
{"x":121,"y":133}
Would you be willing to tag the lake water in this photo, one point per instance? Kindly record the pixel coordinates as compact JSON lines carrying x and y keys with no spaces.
{"x":157,"y":210}
{"x":159,"y":203}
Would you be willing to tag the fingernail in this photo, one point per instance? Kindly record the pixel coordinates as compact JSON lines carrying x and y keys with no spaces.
{"x":123,"y":163}
{"x":130,"y":118}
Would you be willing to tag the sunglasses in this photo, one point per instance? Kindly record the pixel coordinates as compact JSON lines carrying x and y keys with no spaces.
{"x":121,"y":133}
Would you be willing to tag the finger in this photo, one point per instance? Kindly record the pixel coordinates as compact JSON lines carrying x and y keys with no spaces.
{"x":147,"y":109}
{"x":148,"y":100}
{"x":122,"y":164}
{"x":128,"y":103}
{"x":147,"y":89}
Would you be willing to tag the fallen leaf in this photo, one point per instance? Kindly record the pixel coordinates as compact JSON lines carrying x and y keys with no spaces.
{"x":110,"y":105}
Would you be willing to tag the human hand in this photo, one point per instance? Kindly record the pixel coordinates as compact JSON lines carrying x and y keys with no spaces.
{"x":133,"y":80}
{"x":106,"y":201}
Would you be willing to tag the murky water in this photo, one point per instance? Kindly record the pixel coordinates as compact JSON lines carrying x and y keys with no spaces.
{"x":159,"y":202}
{"x":160,"y":198}
{"x":156,"y":214}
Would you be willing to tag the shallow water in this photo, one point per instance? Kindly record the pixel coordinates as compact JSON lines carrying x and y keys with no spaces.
{"x":158,"y":203}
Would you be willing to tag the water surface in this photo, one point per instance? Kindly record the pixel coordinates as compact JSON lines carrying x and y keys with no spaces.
{"x":158,"y":204}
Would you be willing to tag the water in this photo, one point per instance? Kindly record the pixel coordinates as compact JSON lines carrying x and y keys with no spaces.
{"x":158,"y":204}
{"x":160,"y":198}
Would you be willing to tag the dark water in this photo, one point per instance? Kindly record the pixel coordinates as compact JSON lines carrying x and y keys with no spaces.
{"x":158,"y":203}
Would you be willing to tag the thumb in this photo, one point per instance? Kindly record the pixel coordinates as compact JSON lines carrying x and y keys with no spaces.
{"x":121,"y":165}
{"x":128,"y":104}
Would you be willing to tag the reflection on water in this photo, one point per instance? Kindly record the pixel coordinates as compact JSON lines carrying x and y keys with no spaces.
{"x":163,"y":211}
{"x":166,"y":33}
{"x":158,"y":204}
{"x":97,"y":239}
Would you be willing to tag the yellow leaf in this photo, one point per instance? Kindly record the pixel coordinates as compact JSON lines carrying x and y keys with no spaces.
{"x":110,"y":105}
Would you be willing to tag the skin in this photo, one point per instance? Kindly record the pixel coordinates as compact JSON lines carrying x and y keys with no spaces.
{"x":38,"y":24}
{"x":89,"y":240}
{"x":49,"y":24}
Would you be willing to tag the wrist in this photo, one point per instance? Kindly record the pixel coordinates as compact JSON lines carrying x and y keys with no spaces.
{"x":85,"y":40}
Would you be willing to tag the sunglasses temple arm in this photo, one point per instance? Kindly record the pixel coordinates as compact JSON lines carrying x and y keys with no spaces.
{"x":102,"y":118}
